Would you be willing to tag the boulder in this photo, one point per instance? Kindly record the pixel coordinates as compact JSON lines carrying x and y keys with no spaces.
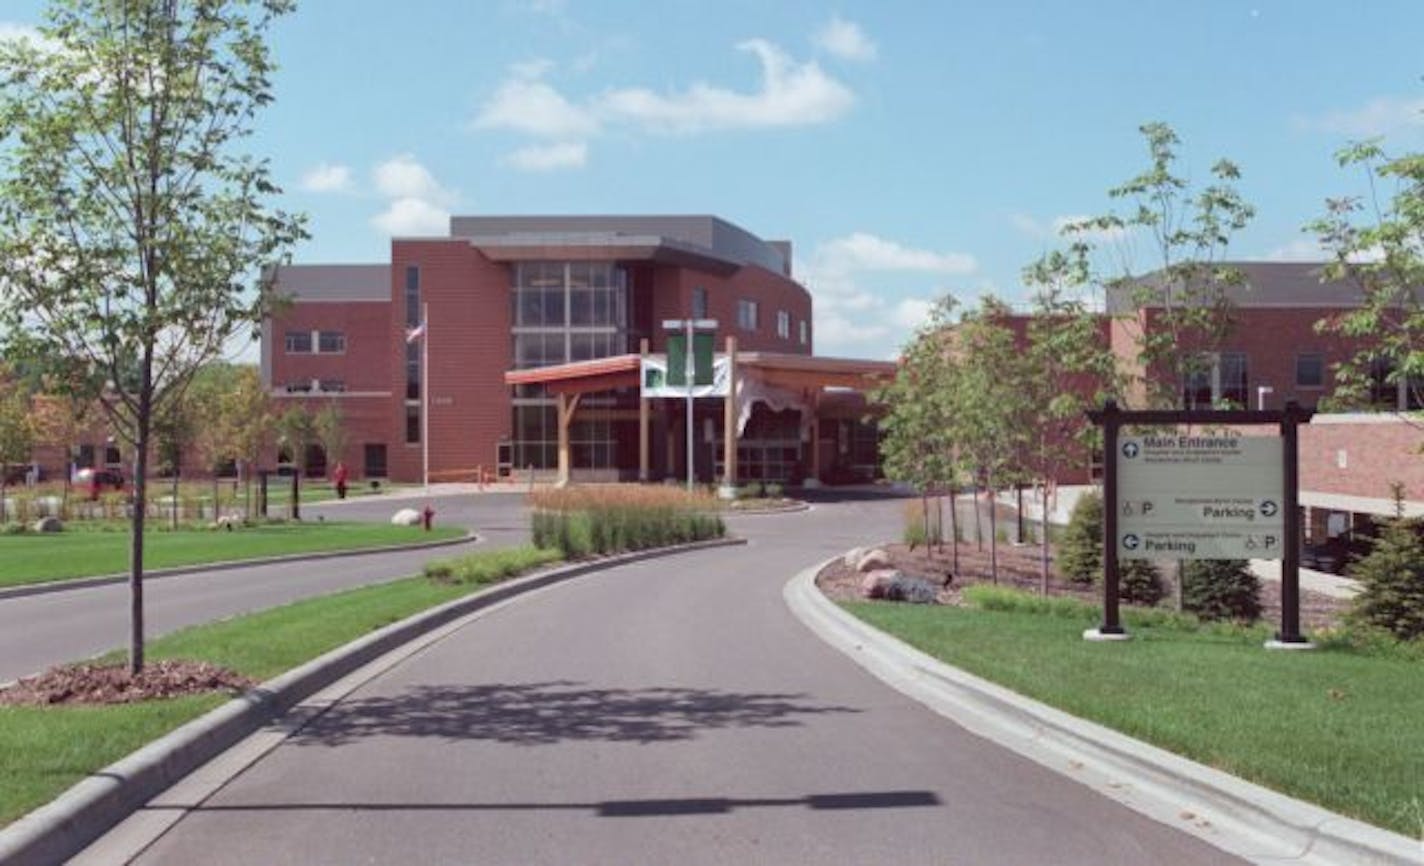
{"x":406,"y":517}
{"x":852,"y":557}
{"x":875,"y":584}
{"x":228,"y":522}
{"x":872,"y":560}
{"x":48,"y":524}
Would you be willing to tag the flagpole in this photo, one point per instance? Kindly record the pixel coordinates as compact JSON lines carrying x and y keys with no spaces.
{"x":425,"y":396}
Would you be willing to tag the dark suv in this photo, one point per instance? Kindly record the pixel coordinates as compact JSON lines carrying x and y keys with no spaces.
{"x":98,"y":479}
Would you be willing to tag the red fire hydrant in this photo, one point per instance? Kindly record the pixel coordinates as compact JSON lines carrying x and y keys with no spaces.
{"x":427,"y":517}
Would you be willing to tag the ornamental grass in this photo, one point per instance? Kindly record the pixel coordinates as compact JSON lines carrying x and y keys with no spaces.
{"x":586,"y":521}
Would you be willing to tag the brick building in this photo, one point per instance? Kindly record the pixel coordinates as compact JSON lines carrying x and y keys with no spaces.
{"x":516,"y":293}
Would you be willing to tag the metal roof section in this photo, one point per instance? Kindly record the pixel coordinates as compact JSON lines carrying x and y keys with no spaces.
{"x":1267,"y":284}
{"x":697,"y":240}
{"x":334,"y":283}
{"x":792,"y":371}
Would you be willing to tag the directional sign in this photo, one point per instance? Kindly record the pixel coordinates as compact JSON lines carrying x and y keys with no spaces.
{"x":1199,"y":496}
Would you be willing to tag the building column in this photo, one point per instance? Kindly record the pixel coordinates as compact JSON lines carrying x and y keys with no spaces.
{"x":643,"y":419}
{"x":567,"y":406}
{"x":813,"y":480}
{"x":728,"y":490}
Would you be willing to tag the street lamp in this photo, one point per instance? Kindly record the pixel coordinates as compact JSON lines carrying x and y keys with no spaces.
{"x":688,"y":327}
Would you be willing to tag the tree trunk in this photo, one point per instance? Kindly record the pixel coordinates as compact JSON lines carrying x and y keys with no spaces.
{"x":954,"y":532}
{"x":978,"y":528}
{"x":939,"y":521}
{"x":174,"y":516}
{"x":4,"y":512}
{"x":925,"y":518}
{"x":993,"y":533}
{"x":1043,"y":540}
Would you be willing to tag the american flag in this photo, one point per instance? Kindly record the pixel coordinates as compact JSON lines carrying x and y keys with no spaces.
{"x":413,"y":334}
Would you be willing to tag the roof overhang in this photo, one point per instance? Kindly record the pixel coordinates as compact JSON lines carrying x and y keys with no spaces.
{"x":798,"y":372}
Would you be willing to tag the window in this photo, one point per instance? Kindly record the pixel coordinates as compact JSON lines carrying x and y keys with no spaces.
{"x":299,"y":386}
{"x":299,"y":342}
{"x":85,"y":460}
{"x":805,"y":331}
{"x":1216,"y":378}
{"x":699,"y":303}
{"x":412,"y":296}
{"x":111,"y":455}
{"x":375,"y":460}
{"x":747,"y":315}
{"x":783,"y":324}
{"x":412,"y":425}
{"x":1384,"y":385}
{"x":330,"y":342}
{"x":412,"y":371}
{"x":333,"y":386}
{"x":1310,"y":370}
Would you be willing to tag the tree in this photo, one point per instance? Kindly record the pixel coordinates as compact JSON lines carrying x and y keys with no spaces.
{"x":1391,"y":577}
{"x":296,"y":429}
{"x":131,"y":225}
{"x":1080,"y":555}
{"x":1180,"y":311}
{"x":329,"y":429}
{"x":1378,"y":246}
{"x":1069,"y":368}
{"x":1222,"y":589}
{"x":988,"y":406}
{"x":17,"y":434}
{"x":232,"y":404}
{"x":917,"y":444}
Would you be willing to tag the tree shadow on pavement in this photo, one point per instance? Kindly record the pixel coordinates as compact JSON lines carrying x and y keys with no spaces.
{"x":533,"y":714}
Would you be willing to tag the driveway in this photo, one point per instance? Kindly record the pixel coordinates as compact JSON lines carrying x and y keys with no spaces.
{"x":670,"y":711}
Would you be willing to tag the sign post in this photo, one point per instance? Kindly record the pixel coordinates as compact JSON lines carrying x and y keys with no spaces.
{"x":695,"y":369}
{"x":1201,"y":496}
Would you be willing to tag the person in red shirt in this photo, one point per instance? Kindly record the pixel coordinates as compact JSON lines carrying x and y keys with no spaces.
{"x":338,"y":475}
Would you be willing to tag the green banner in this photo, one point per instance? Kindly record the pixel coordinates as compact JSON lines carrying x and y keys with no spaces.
{"x":702,"y":350}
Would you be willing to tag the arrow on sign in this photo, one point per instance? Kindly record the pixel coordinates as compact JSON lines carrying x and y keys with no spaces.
{"x":1269,"y":508}
{"x":1129,"y":450}
{"x":1130,"y":541}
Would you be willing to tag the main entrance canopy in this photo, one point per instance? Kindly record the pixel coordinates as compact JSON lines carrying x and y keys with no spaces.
{"x":780,"y":381}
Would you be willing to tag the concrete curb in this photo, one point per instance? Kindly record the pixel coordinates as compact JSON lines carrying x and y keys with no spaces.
{"x":65,"y":826}
{"x":1245,"y":819}
{"x":225,"y":565}
{"x":759,"y":512}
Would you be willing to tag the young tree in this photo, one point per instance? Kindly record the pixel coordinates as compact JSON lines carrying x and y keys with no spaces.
{"x":296,"y":429}
{"x":1378,"y":246}
{"x":917,"y":446}
{"x":248,"y":409}
{"x":17,"y":434}
{"x":1178,"y":310}
{"x":131,"y":225}
{"x":329,"y":429}
{"x":988,"y":406}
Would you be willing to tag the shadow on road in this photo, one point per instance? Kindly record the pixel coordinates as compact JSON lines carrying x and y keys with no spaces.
{"x":613,"y":808}
{"x":533,"y":714}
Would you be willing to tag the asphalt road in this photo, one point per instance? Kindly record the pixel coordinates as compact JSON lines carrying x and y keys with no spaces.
{"x":43,"y":630}
{"x":671,"y":711}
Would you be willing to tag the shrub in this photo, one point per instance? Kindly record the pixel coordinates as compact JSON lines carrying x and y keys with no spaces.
{"x":15,"y":528}
{"x":774,"y":491}
{"x":916,"y":534}
{"x":489,"y":566}
{"x":1391,"y":576}
{"x":1080,"y":552}
{"x":585,"y":521}
{"x":915,"y":590}
{"x":750,"y":491}
{"x":1139,"y":582}
{"x":1216,"y":589}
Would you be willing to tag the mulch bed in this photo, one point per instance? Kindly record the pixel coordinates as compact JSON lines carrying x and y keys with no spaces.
{"x":1019,"y":569}
{"x":112,"y":684}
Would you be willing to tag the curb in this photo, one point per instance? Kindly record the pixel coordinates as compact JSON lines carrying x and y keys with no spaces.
{"x":1242,"y":818}
{"x":225,"y":565}
{"x":781,"y":509}
{"x":66,"y":825}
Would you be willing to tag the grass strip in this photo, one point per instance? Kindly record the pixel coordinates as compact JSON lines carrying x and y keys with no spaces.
{"x":45,"y":750}
{"x":1337,"y":727}
{"x":49,"y":557}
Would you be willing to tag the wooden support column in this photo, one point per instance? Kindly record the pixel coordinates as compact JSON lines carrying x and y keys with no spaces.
{"x":643,"y":419}
{"x":729,"y":425}
{"x":567,"y":406}
{"x":814,"y":479}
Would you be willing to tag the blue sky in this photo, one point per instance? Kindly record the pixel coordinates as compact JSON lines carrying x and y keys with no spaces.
{"x":907,"y":149}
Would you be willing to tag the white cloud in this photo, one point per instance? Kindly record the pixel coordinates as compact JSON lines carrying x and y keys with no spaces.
{"x":845,"y":39}
{"x":327,"y":177}
{"x":12,"y":30}
{"x":549,"y":157}
{"x":862,"y":251}
{"x":1058,"y":227}
{"x":1298,"y":250}
{"x":1379,"y":116}
{"x":853,"y":319}
{"x":790,"y":94}
{"x":536,"y":67}
{"x":533,"y":107}
{"x":418,"y":204}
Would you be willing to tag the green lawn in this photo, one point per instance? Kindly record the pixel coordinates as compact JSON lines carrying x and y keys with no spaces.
{"x":41,"y":558}
{"x":1336,"y":727}
{"x":44,"y":750}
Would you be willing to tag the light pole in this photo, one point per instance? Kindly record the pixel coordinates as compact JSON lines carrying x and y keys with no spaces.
{"x":688,"y":327}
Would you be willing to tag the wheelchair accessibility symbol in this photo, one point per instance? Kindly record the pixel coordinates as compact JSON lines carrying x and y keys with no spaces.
{"x":1130,"y":450}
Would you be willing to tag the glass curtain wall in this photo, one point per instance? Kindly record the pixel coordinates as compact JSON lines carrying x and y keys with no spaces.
{"x":563,"y":312}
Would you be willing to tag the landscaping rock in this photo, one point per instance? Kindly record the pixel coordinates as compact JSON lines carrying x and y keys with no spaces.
{"x":876,"y":584}
{"x":873,"y":559}
{"x":852,"y":557}
{"x":406,"y":517}
{"x":48,"y":524}
{"x":228,"y":522}
{"x":915,"y":590}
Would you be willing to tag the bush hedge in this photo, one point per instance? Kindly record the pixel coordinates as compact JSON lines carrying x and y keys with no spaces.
{"x":587,"y":521}
{"x":1391,"y":578}
{"x":1080,"y":550}
{"x":1218,"y":589}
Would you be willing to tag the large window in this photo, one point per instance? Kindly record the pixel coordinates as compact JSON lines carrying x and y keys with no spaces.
{"x":564,"y":312}
{"x":1216,"y":378}
{"x":783,"y":324}
{"x":375,"y":462}
{"x":805,"y":331}
{"x":331,"y":342}
{"x":747,"y":315}
{"x":412,"y":347}
{"x":699,"y":303}
{"x":412,"y":425}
